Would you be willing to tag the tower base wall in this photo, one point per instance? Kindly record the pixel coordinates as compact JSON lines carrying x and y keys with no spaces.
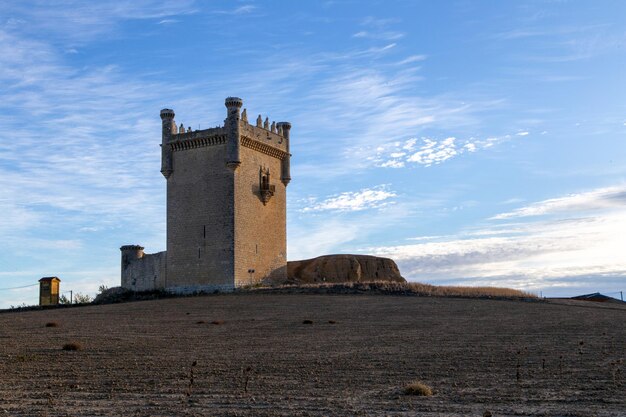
{"x":144,"y":274}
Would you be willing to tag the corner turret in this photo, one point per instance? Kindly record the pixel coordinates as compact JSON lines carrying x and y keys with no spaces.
{"x":233,"y":104}
{"x":168,"y":126}
{"x":131,"y":252}
{"x":285,"y":175}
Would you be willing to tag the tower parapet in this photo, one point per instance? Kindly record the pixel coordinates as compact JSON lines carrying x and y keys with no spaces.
{"x":131,"y":252}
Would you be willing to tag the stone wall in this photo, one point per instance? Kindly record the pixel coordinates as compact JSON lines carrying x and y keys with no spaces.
{"x":200,"y":224}
{"x":144,"y":273}
{"x":260,"y":229}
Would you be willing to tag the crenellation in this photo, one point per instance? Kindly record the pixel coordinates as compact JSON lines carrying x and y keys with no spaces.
{"x":264,"y":137}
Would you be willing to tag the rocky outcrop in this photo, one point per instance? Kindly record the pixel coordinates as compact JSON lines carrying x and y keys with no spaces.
{"x":343,"y":268}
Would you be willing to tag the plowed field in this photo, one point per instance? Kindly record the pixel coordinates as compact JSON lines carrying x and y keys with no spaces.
{"x":253,"y":355}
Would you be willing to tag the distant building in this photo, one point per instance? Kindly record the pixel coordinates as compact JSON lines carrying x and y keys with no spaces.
{"x":226,"y":207}
{"x":49,"y":291}
{"x":597,"y":297}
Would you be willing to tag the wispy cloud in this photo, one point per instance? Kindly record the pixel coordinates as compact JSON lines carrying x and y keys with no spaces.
{"x":567,"y":251}
{"x":411,"y":59}
{"x":378,"y":22}
{"x":81,"y":169}
{"x":370,"y":113}
{"x":603,"y":198}
{"x":245,"y":9}
{"x":367,"y":198}
{"x":79,"y":22}
{"x":388,"y":36}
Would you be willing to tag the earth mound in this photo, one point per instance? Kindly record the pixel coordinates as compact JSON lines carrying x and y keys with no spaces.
{"x":343,"y":268}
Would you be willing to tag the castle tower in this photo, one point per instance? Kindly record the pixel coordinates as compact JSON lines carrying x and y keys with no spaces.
{"x":226,"y":207}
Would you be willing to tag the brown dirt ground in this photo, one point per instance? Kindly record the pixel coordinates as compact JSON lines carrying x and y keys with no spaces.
{"x":137,"y":357}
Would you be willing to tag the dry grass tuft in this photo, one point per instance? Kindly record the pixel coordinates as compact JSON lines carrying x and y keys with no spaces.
{"x":418,"y":388}
{"x":72,"y":346}
{"x":52,"y":324}
{"x":217,"y":322}
{"x":307,"y":321}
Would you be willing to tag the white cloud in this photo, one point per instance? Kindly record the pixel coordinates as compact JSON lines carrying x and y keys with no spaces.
{"x":79,"y":22}
{"x":522,"y":133}
{"x":378,"y":22}
{"x":569,"y":251}
{"x":392,"y":163}
{"x":384,"y":35}
{"x":411,"y":59}
{"x":420,"y":238}
{"x":434,"y":152}
{"x":409,"y":145}
{"x":603,"y":198}
{"x":248,"y":8}
{"x":428,"y":151}
{"x":470,"y":147}
{"x":367,"y":198}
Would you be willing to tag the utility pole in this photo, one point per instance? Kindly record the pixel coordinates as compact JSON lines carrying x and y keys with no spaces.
{"x":71,"y":297}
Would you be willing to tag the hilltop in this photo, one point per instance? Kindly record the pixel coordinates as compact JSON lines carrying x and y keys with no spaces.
{"x":256,"y":354}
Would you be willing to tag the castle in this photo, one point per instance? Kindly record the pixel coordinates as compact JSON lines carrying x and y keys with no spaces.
{"x":226,"y":207}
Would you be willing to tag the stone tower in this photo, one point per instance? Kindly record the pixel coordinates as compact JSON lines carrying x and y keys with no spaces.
{"x":226,"y":207}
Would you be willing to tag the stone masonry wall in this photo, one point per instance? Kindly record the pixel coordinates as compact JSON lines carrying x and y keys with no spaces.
{"x":200,"y":228}
{"x":144,"y":274}
{"x":260,"y":230}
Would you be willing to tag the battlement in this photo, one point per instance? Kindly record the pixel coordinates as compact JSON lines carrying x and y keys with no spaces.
{"x":271,"y":139}
{"x":264,"y":136}
{"x":132,"y":247}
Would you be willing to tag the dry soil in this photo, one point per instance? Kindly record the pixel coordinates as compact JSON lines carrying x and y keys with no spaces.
{"x":253,"y":355}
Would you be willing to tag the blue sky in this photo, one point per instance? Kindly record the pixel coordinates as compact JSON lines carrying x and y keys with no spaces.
{"x":475,"y":142}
